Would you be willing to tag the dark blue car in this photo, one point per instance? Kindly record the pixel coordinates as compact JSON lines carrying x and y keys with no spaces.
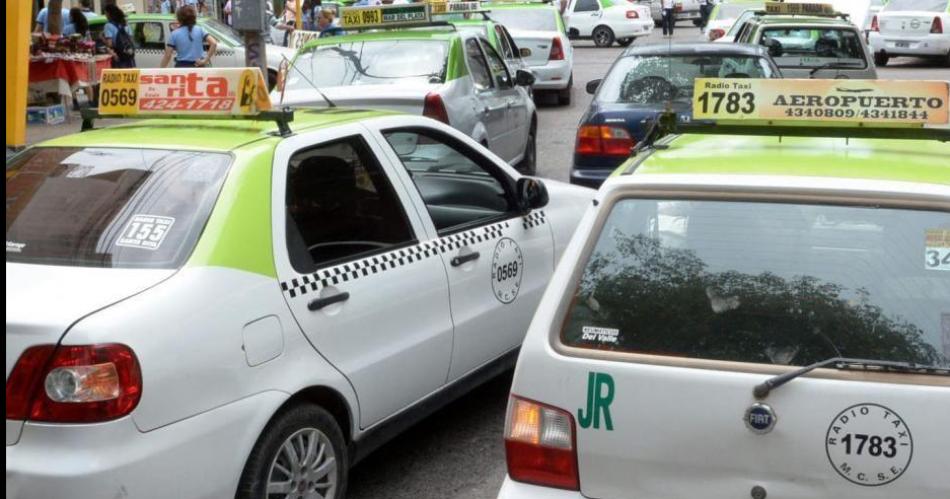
{"x":645,"y":81}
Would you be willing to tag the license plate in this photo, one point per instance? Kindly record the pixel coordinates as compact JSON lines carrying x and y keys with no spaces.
{"x":902,"y":45}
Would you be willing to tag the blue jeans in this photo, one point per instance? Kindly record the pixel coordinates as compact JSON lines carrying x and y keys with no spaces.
{"x":669,"y":20}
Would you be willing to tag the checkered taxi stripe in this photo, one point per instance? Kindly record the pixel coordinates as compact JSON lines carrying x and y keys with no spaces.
{"x":312,"y":283}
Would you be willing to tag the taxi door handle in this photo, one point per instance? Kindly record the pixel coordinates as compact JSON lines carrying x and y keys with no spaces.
{"x":461,"y":260}
{"x":320,"y":303}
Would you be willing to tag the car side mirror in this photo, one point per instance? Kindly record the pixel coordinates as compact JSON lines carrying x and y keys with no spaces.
{"x":524,"y":52}
{"x":593,"y":85}
{"x":532,"y":194}
{"x":524,"y":78}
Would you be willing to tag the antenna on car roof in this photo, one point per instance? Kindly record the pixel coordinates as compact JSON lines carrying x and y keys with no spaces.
{"x":290,"y":63}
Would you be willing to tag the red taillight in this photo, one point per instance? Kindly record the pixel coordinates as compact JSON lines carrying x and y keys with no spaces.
{"x":603,"y":140}
{"x":937,"y":27}
{"x":557,"y":50}
{"x":715,"y":34}
{"x":74,"y":383}
{"x":540,"y":446}
{"x":632,"y":14}
{"x":875,"y":25}
{"x":434,"y":108}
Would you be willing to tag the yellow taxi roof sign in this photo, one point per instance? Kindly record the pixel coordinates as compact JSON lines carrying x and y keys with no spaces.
{"x":823,"y":102}
{"x":384,"y":16}
{"x":811,"y":9}
{"x":444,"y":7}
{"x":184,"y":91}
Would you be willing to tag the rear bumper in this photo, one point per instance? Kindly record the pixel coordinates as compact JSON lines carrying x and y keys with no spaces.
{"x":200,"y":457}
{"x":633,"y":29}
{"x":511,"y":489}
{"x":923,"y":45}
{"x":555,"y":75}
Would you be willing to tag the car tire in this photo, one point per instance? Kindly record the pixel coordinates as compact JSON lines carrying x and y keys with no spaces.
{"x":564,"y":96}
{"x":529,"y":163}
{"x":301,"y":425}
{"x":603,"y":36}
{"x":880,"y":59}
{"x":625,"y":42}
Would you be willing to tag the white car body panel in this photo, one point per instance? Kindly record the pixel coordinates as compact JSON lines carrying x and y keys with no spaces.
{"x":583,"y":23}
{"x":549,"y":75}
{"x":655,"y":437}
{"x":907,"y":33}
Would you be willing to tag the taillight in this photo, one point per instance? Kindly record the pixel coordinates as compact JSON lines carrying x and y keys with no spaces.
{"x":603,"y":140}
{"x":875,"y":25}
{"x":632,"y":14}
{"x":539,"y":445}
{"x":937,"y":27}
{"x":74,"y":383}
{"x":434,"y":108}
{"x":557,"y":50}
{"x":715,"y":34}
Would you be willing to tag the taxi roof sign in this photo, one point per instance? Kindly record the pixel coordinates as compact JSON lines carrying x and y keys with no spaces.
{"x":444,"y":7}
{"x":384,"y":16}
{"x":800,"y":9}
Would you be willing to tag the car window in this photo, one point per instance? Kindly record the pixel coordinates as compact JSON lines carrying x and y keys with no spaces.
{"x":660,"y":79}
{"x":740,"y":23}
{"x":455,"y":182}
{"x":814,"y":47}
{"x":768,"y":283}
{"x":109,"y":207}
{"x":527,"y":19}
{"x":499,"y":70}
{"x":586,"y":6}
{"x":478,"y":65}
{"x":149,"y":35}
{"x":341,"y":205}
{"x":383,"y":62}
{"x":503,"y":41}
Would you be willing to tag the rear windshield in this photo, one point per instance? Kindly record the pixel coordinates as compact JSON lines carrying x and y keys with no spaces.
{"x":783,"y":284}
{"x":918,"y":5}
{"x":101,"y":207}
{"x":814,"y":47}
{"x":526,"y":19}
{"x":659,"y":79}
{"x":370,"y":63}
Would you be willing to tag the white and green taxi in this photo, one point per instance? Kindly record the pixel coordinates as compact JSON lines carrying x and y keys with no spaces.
{"x":395,"y":57}
{"x":209,"y":308}
{"x":748,"y":311}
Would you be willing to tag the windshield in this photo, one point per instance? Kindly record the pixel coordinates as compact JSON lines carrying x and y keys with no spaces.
{"x":379,"y":62}
{"x":223,"y":32}
{"x":767,"y":283}
{"x":814,"y":47}
{"x":102,"y":207}
{"x":658,"y":79}
{"x":526,"y":19}
{"x":919,"y":5}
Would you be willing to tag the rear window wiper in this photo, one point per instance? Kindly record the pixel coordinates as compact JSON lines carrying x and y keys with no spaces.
{"x":836,"y":65}
{"x":763,"y":389}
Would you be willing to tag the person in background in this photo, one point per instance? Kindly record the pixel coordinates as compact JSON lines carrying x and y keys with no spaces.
{"x":227,"y":13}
{"x":186,"y":43}
{"x":669,"y":17}
{"x":289,"y":18}
{"x":202,"y":8}
{"x":118,"y":38}
{"x":166,"y":6}
{"x":327,"y":25}
{"x":273,"y":22}
{"x":78,"y":24}
{"x":42,"y":21}
{"x":85,"y":6}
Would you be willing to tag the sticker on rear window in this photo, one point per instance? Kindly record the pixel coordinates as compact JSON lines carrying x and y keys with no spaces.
{"x":600,"y":334}
{"x":15,"y":247}
{"x":869,"y":444}
{"x":145,"y":232}
{"x":937,"y":250}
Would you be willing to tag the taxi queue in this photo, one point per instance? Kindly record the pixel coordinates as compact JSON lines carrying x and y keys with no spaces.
{"x":211,"y":302}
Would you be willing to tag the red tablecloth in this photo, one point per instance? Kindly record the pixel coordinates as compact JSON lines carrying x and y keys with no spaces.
{"x":65,"y":75}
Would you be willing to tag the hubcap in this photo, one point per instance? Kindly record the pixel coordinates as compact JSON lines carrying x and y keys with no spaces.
{"x":601,"y":37}
{"x":304,"y":468}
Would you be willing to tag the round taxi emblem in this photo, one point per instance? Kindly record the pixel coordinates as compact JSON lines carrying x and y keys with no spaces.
{"x":507,"y":268}
{"x":760,"y":418}
{"x":869,"y":444}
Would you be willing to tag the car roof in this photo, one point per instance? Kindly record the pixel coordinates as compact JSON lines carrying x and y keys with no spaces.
{"x":696,"y":48}
{"x":220,"y":135}
{"x":519,"y":5}
{"x":921,"y":161}
{"x":809,"y":20}
{"x":400,"y":34}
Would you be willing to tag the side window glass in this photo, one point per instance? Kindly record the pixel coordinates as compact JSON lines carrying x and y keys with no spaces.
{"x":499,"y":71}
{"x":586,"y":6}
{"x":478,"y":65}
{"x":503,"y":41}
{"x":341,"y":205}
{"x":457,"y":190}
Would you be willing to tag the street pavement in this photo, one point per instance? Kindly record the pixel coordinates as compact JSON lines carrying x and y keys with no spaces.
{"x":459,"y":452}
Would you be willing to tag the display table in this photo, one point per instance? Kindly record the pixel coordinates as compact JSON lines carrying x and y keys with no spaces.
{"x":64,"y":74}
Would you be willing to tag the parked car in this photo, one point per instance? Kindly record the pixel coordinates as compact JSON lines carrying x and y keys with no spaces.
{"x":607,"y":21}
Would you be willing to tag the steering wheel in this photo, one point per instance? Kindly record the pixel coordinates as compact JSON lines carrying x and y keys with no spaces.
{"x":653,"y":89}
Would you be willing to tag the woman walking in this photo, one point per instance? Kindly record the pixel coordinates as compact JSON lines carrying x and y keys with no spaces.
{"x":186,"y":43}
